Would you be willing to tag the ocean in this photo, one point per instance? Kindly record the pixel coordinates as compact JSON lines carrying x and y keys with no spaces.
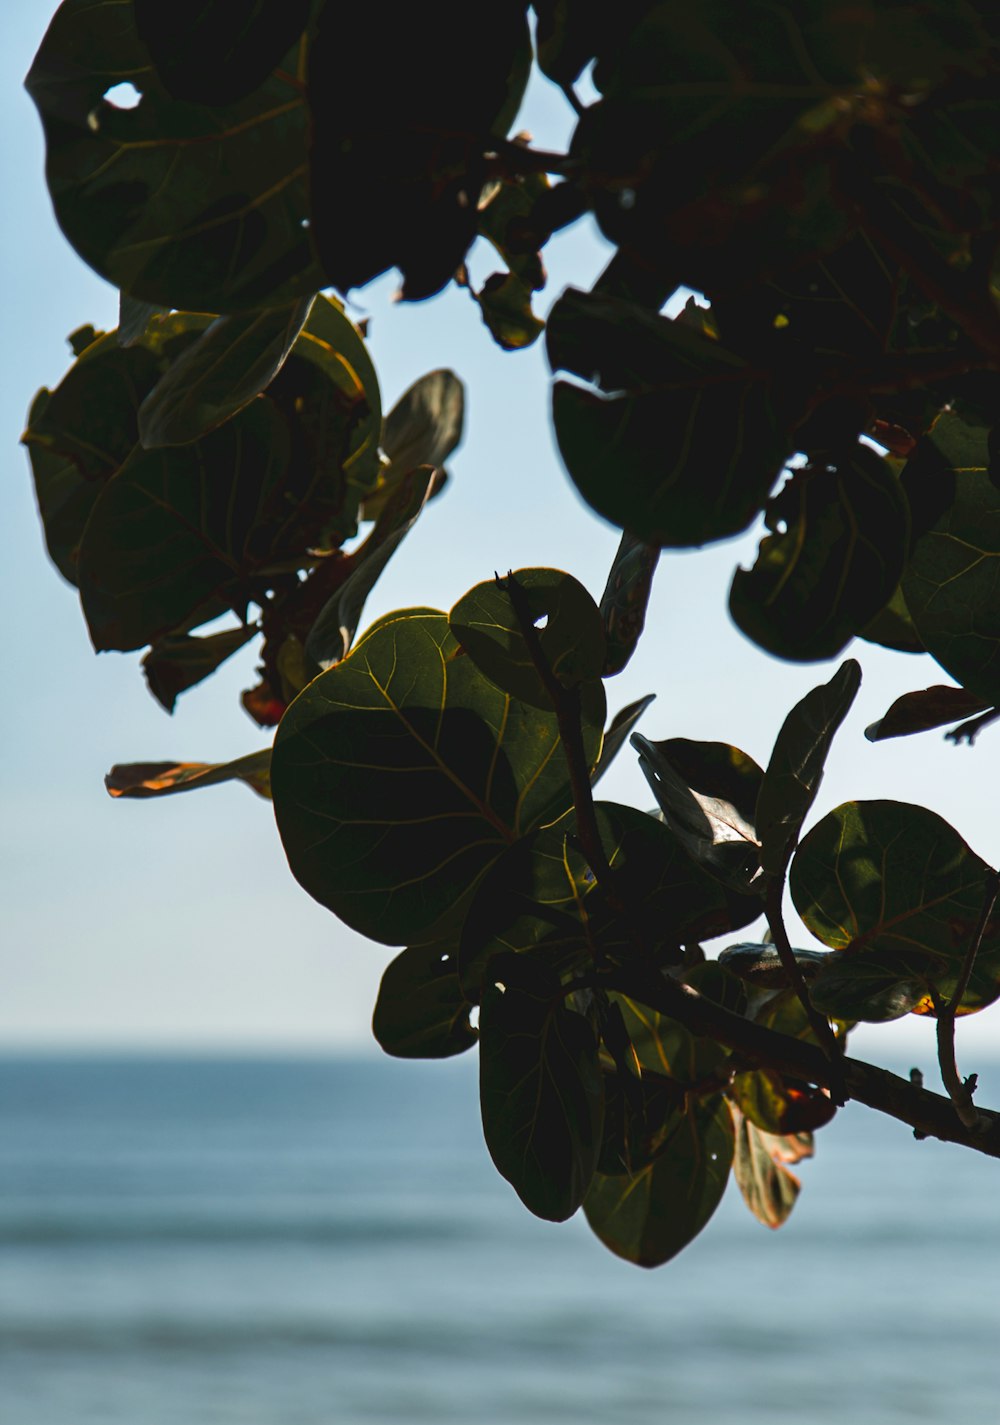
{"x":325,"y":1242}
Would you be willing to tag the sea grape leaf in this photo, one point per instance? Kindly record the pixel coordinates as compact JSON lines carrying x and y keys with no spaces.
{"x":505,"y":221}
{"x":616,"y":734}
{"x":423,"y":428}
{"x":176,"y":529}
{"x":572,"y":640}
{"x":185,"y":205}
{"x":715,"y":424}
{"x":333,"y":631}
{"x":779,"y":1103}
{"x":794,"y":773}
{"x":541,"y":1090}
{"x":894,"y":888}
{"x":761,"y":965}
{"x":769,"y":1189}
{"x":838,"y":542}
{"x":648,"y":1216}
{"x":696,"y":799}
{"x":638,"y":1113}
{"x":893,"y":628}
{"x":950,"y":586}
{"x":421,"y":1012}
{"x":920,"y":711}
{"x":180,"y":661}
{"x":625,"y":598}
{"x":231,"y":362}
{"x":218,"y":51}
{"x":402,"y":773}
{"x":541,"y":896}
{"x":406,"y":156}
{"x":663,"y":1046}
{"x":504,"y":301}
{"x":162,"y":779}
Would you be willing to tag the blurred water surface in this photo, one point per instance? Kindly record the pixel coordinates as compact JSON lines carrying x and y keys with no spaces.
{"x":325,"y":1242}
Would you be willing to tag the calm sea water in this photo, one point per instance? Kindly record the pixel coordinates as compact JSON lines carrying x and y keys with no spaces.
{"x":326,"y":1243}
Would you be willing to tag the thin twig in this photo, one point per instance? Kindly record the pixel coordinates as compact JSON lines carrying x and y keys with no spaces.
{"x":959,"y":1092}
{"x":775,"y":919}
{"x":968,"y":731}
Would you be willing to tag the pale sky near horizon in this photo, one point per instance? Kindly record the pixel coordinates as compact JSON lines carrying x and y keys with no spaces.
{"x":176,"y":924}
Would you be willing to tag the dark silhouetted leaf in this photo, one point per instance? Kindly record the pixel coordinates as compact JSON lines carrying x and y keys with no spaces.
{"x":134,"y":317}
{"x":795,"y":770}
{"x":920,"y":711}
{"x":572,"y":637}
{"x":505,"y":303}
{"x":506,"y":220}
{"x":769,"y":1189}
{"x":541,"y":896}
{"x":402,"y":773}
{"x":839,"y":538}
{"x":333,"y":631}
{"x":421,"y":1012}
{"x":951,"y":582}
{"x":893,"y":628}
{"x":686,"y":440}
{"x":649,"y":1216}
{"x":218,"y":51}
{"x":623,"y":604}
{"x":162,"y":779}
{"x":897,"y":891}
{"x":180,"y":204}
{"x":663,"y":1046}
{"x":231,"y":362}
{"x":179,"y":661}
{"x":423,"y":428}
{"x":406,"y":157}
{"x":540,"y":1088}
{"x":616,"y":734}
{"x":707,"y":793}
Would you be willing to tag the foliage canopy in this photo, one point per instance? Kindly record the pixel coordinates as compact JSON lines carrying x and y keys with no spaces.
{"x":827,"y":178}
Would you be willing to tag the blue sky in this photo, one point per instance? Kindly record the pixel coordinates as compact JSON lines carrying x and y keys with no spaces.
{"x":177,"y":924}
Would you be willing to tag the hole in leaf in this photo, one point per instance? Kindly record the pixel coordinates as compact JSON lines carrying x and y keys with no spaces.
{"x":542,"y":621}
{"x":501,"y":987}
{"x":304,"y":223}
{"x":474,"y":1016}
{"x":445,"y":958}
{"x":122,"y":96}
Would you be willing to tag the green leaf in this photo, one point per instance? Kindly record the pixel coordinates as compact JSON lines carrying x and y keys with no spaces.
{"x":951,"y":582}
{"x":506,"y":220}
{"x":541,"y":896}
{"x":134,"y":317}
{"x":897,"y":891}
{"x":572,"y":638}
{"x":893,"y":628}
{"x":838,"y":542}
{"x":707,"y":794}
{"x":333,"y":632}
{"x":540,"y":1088}
{"x":406,"y":156}
{"x":505,"y":303}
{"x":626,"y":595}
{"x":218,"y":51}
{"x":686,"y":440}
{"x":663,"y":1046}
{"x":180,"y":661}
{"x":616,"y":734}
{"x":423,"y":428}
{"x":163,"y":779}
{"x":769,"y":1189}
{"x":651,"y":1215}
{"x":402,"y":773}
{"x":795,"y":770}
{"x":231,"y":362}
{"x":421,"y":1012}
{"x":178,"y":204}
{"x":919,"y":711}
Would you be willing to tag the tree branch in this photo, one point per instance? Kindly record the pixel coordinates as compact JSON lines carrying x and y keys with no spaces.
{"x":959,"y":1092}
{"x":930,"y":1115}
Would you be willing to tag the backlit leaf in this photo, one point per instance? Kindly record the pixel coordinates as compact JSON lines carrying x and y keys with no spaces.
{"x":180,"y":661}
{"x":540,"y":1088}
{"x":651,"y":1215}
{"x":624,"y":601}
{"x":423,"y":428}
{"x":769,"y":1189}
{"x":421,"y":1012}
{"x":617,"y":733}
{"x":938,"y":706}
{"x":402,"y":773}
{"x":162,"y":779}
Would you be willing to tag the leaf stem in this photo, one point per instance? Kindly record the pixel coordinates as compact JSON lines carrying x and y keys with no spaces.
{"x":961,"y":1092}
{"x":775,"y":919}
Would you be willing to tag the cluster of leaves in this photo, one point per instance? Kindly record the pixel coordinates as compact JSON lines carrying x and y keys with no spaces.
{"x":826,"y":179}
